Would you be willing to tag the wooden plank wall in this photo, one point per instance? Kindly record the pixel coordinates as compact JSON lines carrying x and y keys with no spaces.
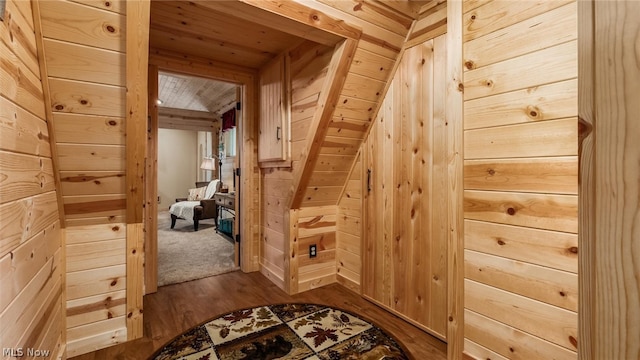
{"x":404,"y":264}
{"x":384,"y":29}
{"x":315,"y":225}
{"x":32,"y":291}
{"x":309,"y":62}
{"x":520,"y":179}
{"x":349,"y":230}
{"x":84,"y":48}
{"x":85,"y":62}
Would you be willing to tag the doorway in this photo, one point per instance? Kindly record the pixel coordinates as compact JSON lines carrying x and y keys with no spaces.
{"x":192,"y":121}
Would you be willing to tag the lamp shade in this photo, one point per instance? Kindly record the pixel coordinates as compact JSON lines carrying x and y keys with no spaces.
{"x":208,"y":164}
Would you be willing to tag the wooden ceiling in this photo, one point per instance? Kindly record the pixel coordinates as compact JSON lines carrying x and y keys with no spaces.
{"x":227,"y":31}
{"x":194,"y":93}
{"x":238,"y":34}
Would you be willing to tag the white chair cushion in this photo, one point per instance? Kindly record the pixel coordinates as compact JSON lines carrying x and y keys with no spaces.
{"x":184,"y":209}
{"x":211,"y":189}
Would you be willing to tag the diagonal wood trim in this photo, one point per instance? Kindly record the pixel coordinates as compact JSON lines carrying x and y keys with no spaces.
{"x":335,"y":79}
{"x":44,"y":77}
{"x":305,"y":15}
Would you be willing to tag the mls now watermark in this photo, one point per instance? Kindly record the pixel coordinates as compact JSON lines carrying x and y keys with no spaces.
{"x":30,"y":352}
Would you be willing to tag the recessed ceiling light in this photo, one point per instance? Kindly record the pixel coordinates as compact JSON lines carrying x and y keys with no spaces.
{"x":159,"y":102}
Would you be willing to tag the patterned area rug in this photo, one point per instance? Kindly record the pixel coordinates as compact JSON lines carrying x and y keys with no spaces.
{"x":289,"y":331}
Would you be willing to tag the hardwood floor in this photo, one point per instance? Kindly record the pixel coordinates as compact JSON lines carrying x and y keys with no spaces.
{"x":176,"y":308}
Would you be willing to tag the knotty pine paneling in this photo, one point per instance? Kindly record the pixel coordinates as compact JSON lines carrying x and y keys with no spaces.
{"x":91,"y":157}
{"x":19,"y":84}
{"x":316,"y":225}
{"x":551,"y":28}
{"x":537,"y":318}
{"x":84,"y":43}
{"x":552,"y":249}
{"x":557,"y":175}
{"x":383,"y":34}
{"x":308,"y":67}
{"x":22,"y":131}
{"x":539,"y":103}
{"x":24,"y":175}
{"x":117,"y":6}
{"x":31,"y":241}
{"x":89,"y":129}
{"x":404,"y":262}
{"x":507,"y":341}
{"x":557,"y":63}
{"x":80,"y":24}
{"x":349,"y":231}
{"x":521,"y":179}
{"x":87,"y":63}
{"x":96,"y":261}
{"x":19,"y":37}
{"x":79,"y":97}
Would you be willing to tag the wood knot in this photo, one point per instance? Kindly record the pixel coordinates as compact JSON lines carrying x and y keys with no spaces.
{"x":114,"y":282}
{"x":563,"y":294}
{"x":130,"y":315}
{"x":573,"y":249}
{"x":97,"y":182}
{"x":512,"y":349}
{"x":450,"y":318}
{"x":59,"y":107}
{"x":115,"y":228}
{"x":511,"y":211}
{"x":489,"y":83}
{"x":133,"y":251}
{"x":112,"y":123}
{"x":183,"y":22}
{"x":109,"y":315}
{"x":111,"y":29}
{"x":315,"y":17}
{"x":84,"y":102}
{"x":573,"y":341}
{"x":460,"y":87}
{"x":470,"y":65}
{"x":533,"y":112}
{"x":473,"y":17}
{"x":491,"y":172}
{"x":107,"y":4}
{"x":501,"y":242}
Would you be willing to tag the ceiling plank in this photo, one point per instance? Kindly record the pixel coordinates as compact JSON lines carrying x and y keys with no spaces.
{"x":308,"y":16}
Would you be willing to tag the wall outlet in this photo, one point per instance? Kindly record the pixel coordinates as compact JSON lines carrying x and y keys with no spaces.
{"x":313,"y":250}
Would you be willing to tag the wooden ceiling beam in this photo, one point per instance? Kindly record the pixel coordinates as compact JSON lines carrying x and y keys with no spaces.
{"x":332,"y":88}
{"x":302,"y":14}
{"x":198,"y":66}
{"x":171,"y":113}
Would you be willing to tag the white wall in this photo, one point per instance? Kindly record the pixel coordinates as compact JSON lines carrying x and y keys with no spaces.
{"x":177,"y":164}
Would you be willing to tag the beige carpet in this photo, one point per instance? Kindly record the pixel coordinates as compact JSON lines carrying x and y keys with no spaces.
{"x":185,"y":255}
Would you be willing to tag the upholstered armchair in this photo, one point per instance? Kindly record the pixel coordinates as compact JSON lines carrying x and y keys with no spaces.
{"x":198,"y":206}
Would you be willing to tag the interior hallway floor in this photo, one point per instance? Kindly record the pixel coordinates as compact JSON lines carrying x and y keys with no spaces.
{"x":176,"y":308}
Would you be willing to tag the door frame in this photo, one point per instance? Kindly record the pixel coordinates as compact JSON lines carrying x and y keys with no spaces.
{"x":247,"y":184}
